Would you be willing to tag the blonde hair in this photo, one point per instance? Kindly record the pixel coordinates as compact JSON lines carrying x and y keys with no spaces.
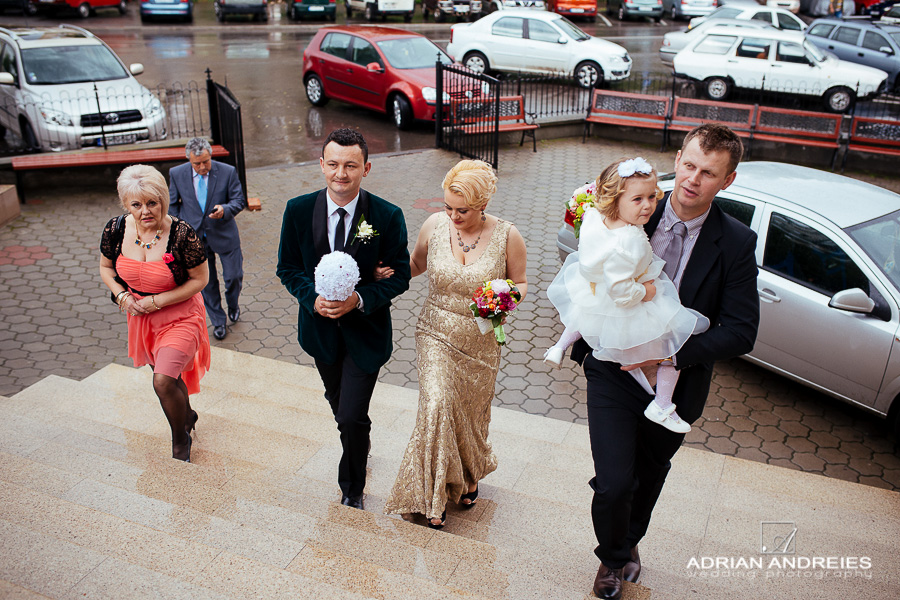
{"x":142,"y":182}
{"x":610,"y":186}
{"x":474,"y":180}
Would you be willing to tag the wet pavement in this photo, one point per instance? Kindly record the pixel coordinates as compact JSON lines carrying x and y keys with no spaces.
{"x":57,"y":318}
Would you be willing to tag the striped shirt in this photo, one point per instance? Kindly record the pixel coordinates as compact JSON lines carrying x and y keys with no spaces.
{"x":663,"y":235}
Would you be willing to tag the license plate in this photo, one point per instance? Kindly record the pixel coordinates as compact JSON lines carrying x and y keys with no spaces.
{"x":123,"y":138}
{"x":577,"y":10}
{"x":316,"y":9}
{"x":645,"y":8}
{"x":460,"y":9}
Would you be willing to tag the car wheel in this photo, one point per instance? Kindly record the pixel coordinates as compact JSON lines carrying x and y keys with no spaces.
{"x":30,"y":139}
{"x":84,"y":10}
{"x":621,"y":14}
{"x":2,"y":132}
{"x":220,"y":15}
{"x":348,"y":9}
{"x":439,"y":16}
{"x":407,"y":18}
{"x":477,"y":62}
{"x":333,"y":17}
{"x":123,"y":7}
{"x":315,"y":93}
{"x":588,"y":74}
{"x":717,"y":88}
{"x":839,"y":99}
{"x":402,"y":112}
{"x":609,"y":9}
{"x":370,"y":12}
{"x":189,"y":18}
{"x":144,"y":18}
{"x":29,"y":8}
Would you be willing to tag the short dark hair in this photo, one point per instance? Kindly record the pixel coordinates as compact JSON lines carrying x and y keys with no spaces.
{"x":347,"y":137}
{"x":714,"y":137}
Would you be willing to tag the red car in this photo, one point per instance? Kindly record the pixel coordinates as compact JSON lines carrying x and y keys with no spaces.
{"x":85,"y":8}
{"x":382,"y":68}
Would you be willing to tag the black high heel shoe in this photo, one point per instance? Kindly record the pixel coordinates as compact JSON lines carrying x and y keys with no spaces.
{"x":471,"y":496}
{"x":441,"y":524}
{"x":191,"y":422}
{"x":188,"y":458}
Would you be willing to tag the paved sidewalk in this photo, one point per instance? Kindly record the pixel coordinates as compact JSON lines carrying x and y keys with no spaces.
{"x":57,"y":318}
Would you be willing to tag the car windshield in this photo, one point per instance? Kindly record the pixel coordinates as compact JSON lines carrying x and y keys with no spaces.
{"x":817,"y":53}
{"x":880,"y":239}
{"x":412,"y":53}
{"x":571,"y":29}
{"x":70,"y":64}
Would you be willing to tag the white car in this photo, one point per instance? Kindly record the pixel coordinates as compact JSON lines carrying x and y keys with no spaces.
{"x":829,"y":283}
{"x":777,"y":17}
{"x":777,"y":61}
{"x":62,"y":88}
{"x":493,"y":5}
{"x":790,"y":5}
{"x":675,"y":41}
{"x":537,"y":42}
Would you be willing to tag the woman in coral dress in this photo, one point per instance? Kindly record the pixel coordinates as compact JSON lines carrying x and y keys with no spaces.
{"x":155,"y":267}
{"x":448,"y":453}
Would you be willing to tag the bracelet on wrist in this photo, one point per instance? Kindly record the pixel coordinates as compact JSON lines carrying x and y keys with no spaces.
{"x":153,"y":302}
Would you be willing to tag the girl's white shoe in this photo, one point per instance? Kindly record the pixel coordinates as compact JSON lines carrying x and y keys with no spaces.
{"x":554,"y":356}
{"x":664,"y":417}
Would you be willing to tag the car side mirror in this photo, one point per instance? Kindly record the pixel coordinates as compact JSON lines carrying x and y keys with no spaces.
{"x":852,"y":300}
{"x":563,"y":40}
{"x":136,"y":68}
{"x":886,"y":50}
{"x":374,"y":67}
{"x":7,"y":79}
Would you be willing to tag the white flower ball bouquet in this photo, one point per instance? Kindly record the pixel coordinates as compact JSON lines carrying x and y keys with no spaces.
{"x":336,"y":276}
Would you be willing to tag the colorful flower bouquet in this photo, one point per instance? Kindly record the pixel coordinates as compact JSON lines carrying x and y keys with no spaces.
{"x":582,"y":199}
{"x":491,"y":303}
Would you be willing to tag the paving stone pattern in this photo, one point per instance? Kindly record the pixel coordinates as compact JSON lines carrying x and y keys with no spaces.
{"x":57,"y":317}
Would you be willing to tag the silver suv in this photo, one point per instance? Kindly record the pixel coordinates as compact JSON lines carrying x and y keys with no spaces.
{"x":62,"y":88}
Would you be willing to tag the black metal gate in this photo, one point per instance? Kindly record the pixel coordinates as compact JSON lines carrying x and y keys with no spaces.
{"x":227,"y":127}
{"x":468,"y":119}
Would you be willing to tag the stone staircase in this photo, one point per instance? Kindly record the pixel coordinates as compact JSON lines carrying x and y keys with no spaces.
{"x":92,"y":505}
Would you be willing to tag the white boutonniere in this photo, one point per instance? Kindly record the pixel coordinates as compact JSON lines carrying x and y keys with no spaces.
{"x":364,"y":231}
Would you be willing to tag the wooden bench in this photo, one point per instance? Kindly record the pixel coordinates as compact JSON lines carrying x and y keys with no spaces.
{"x":878,"y":136}
{"x":799,"y":127}
{"x":476,"y":115}
{"x":99,"y":158}
{"x":624,"y":108}
{"x":688,"y":113}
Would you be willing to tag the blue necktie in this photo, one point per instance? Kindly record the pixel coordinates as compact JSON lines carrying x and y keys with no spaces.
{"x":201,"y":193}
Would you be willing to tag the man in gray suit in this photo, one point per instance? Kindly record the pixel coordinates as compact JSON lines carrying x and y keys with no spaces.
{"x":207,"y":194}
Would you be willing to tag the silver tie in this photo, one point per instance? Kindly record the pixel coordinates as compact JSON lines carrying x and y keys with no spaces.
{"x":672,"y":254}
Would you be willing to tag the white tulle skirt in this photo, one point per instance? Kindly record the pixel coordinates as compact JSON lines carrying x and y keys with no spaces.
{"x":627,"y":335}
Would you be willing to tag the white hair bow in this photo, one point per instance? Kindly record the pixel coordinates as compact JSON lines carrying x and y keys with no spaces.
{"x":634,"y":165}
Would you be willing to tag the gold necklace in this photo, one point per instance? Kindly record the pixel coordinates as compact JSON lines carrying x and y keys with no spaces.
{"x":147,"y":245}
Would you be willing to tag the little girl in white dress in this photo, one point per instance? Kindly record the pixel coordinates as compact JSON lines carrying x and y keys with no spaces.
{"x":612,"y":292}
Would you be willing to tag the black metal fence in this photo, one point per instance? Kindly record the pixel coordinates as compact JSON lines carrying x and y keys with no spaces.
{"x":101,"y":116}
{"x":227,"y":127}
{"x":468,"y":119}
{"x":558,"y":96}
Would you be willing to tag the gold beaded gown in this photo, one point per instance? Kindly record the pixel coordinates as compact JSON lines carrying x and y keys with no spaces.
{"x":457,"y":365}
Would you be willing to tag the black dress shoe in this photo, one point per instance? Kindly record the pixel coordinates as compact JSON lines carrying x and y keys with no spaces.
{"x":234,"y":315}
{"x":632,"y":569}
{"x":219,"y":332}
{"x":352,"y":501}
{"x":608,"y":584}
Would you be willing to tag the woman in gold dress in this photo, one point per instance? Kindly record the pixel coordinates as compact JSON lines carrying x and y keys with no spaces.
{"x":448,"y":453}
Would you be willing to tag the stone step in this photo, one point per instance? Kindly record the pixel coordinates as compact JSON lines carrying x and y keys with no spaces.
{"x":86,"y":465}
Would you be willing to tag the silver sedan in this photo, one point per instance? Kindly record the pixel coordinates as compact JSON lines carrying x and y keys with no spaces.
{"x":829,"y":279}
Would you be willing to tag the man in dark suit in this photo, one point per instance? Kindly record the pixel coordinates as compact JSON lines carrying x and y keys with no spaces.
{"x":350,"y":340}
{"x":716,"y":274}
{"x":207,"y":194}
